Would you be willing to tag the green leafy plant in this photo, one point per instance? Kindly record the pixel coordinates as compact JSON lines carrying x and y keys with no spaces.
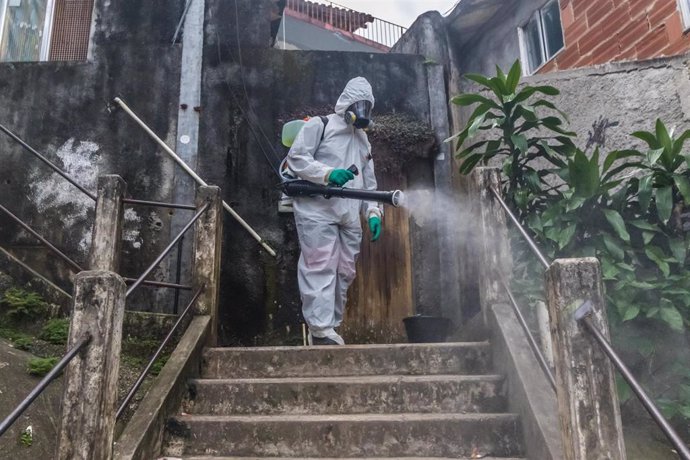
{"x":40,"y":366}
{"x":19,"y":304}
{"x":624,"y":207}
{"x":55,"y":331}
{"x":26,"y":437}
{"x":512,"y":127}
{"x":23,"y":343}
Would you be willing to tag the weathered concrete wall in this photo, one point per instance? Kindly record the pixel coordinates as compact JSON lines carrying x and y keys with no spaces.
{"x":61,"y":110}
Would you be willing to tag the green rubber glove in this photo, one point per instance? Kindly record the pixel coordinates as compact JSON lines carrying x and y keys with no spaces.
{"x":340,"y":176}
{"x":375,"y":227}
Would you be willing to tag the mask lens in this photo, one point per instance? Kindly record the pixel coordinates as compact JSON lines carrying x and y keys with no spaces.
{"x":362,"y":109}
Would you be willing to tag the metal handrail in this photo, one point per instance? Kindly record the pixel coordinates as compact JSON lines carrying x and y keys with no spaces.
{"x":144,"y":373}
{"x":75,"y":266}
{"x":167,"y":250}
{"x":33,"y":151}
{"x":43,"y":384}
{"x":530,"y":338}
{"x":521,"y":229}
{"x":159,"y":204}
{"x":583,"y":316}
{"x":47,"y":243}
{"x":163,"y":284}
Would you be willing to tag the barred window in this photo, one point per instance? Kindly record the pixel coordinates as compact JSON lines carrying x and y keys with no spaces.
{"x":542,"y":37}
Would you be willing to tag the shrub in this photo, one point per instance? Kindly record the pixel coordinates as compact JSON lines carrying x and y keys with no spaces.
{"x":23,"y":305}
{"x":55,"y":331}
{"x":40,"y":366}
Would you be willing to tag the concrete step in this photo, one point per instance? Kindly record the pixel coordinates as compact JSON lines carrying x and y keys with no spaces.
{"x":301,"y":436}
{"x":348,"y":360}
{"x":348,"y":395}
{"x":479,"y":456}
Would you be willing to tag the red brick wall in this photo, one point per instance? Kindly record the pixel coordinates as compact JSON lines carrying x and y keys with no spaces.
{"x":600,"y":31}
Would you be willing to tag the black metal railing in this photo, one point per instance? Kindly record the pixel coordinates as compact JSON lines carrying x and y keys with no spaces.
{"x":52,"y":166}
{"x":341,"y":17}
{"x":543,"y":363}
{"x":583,"y":316}
{"x":167,"y":250}
{"x":73,"y":265}
{"x":43,"y":384}
{"x":133,"y":390}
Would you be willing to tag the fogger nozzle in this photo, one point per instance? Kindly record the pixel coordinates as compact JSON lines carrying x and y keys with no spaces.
{"x":305,"y":188}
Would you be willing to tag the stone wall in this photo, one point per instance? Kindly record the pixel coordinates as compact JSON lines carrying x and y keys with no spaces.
{"x":61,"y":109}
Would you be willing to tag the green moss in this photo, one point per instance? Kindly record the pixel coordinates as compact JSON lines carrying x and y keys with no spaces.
{"x":55,"y":331}
{"x":20,"y":305}
{"x":158,"y":365}
{"x":40,"y":366}
{"x":23,"y":343}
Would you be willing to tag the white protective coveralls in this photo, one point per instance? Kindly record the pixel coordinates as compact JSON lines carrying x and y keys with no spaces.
{"x":329,"y":230}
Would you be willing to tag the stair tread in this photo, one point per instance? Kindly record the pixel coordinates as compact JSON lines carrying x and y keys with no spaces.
{"x":340,"y":458}
{"x":360,"y":379}
{"x":353,"y":347}
{"x":302,"y":418}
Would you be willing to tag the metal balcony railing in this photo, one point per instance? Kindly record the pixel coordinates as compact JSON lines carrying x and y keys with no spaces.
{"x":359,"y":24}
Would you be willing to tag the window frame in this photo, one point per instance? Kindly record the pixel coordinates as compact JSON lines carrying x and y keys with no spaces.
{"x":47,"y":34}
{"x":684,"y":8}
{"x":543,"y":42}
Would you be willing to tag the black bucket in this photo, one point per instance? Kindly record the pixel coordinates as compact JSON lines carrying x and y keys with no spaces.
{"x":426,"y":329}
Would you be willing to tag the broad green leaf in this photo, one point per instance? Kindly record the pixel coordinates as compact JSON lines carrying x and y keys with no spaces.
{"x":617,"y":223}
{"x":623,"y":390}
{"x":474,"y":127}
{"x":652,"y":312}
{"x":683,"y":185}
{"x":663,"y":136}
{"x":545,"y":103}
{"x":644,"y":225}
{"x":514,"y":75}
{"x":565,"y":236}
{"x":648,"y":137}
{"x":654,"y":155}
{"x":647,"y":236}
{"x":619,"y":155}
{"x":664,"y":203}
{"x":575,"y":202}
{"x":548,"y":90}
{"x":472,"y":98}
{"x":470,"y":149}
{"x":672,"y":317}
{"x":583,"y":175}
{"x":678,"y":248}
{"x":500,"y":74}
{"x":613,"y":247}
{"x":520,"y":142}
{"x":469,"y":163}
{"x":644,"y":193}
{"x":656,"y":255}
{"x":678,"y":143}
{"x":631,"y":313}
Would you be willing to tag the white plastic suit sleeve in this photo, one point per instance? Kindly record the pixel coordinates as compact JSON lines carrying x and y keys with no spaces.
{"x":371,"y":208}
{"x":300,"y":158}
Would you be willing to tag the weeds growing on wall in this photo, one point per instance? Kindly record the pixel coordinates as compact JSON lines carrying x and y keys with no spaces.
{"x":624,"y":207}
{"x":20,"y":305}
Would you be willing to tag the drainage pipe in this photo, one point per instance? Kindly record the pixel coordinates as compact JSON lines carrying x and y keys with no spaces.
{"x":194,"y":175}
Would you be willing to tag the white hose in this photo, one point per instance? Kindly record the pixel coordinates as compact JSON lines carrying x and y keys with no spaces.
{"x":194,"y":175}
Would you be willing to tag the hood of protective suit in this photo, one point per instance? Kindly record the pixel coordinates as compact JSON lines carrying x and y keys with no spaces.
{"x":357,"y":89}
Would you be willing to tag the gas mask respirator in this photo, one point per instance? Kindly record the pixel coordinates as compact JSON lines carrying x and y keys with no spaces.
{"x":359,"y":115}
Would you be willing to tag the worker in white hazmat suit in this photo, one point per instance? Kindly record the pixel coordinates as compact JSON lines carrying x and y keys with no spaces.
{"x":329,"y":230}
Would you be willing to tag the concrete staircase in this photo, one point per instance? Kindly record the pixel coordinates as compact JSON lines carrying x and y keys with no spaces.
{"x":418,"y":401}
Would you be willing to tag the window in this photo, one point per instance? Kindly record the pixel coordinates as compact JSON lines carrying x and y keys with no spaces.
{"x":685,"y":12}
{"x":25,"y":27}
{"x":542,"y":37}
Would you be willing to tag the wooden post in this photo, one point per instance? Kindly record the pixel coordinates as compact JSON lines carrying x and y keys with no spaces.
{"x":208,"y":235}
{"x":495,"y":260}
{"x":107,"y":228}
{"x":586,"y":388}
{"x":88,"y":403}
